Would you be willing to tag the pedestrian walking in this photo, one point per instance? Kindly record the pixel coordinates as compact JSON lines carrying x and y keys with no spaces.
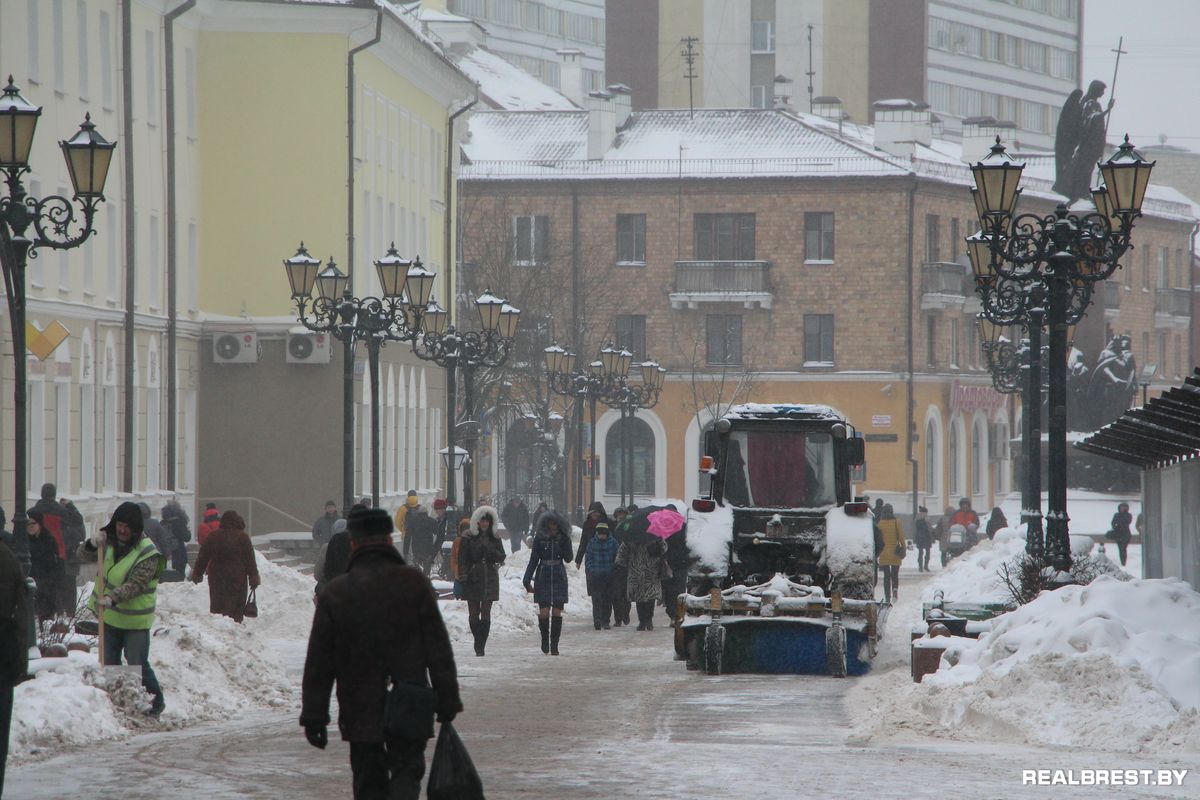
{"x":411,"y":501}
{"x":175,"y":520}
{"x":208,"y":523}
{"x":377,"y":624}
{"x":894,"y":550}
{"x":546,"y":575}
{"x":419,"y":538}
{"x":620,"y":593}
{"x":464,"y":530}
{"x":227,"y":557}
{"x":599,"y":560}
{"x":442,"y":533}
{"x":595,"y":515}
{"x":479,"y":558}
{"x":996,"y":522}
{"x":965,"y":515}
{"x":1121,"y":534}
{"x":74,"y":531}
{"x":516,"y":521}
{"x":923,"y":536}
{"x":132,"y":566}
{"x":643,"y":563}
{"x":45,"y":567}
{"x":52,"y":517}
{"x":322,"y":529}
{"x":14,"y":645}
{"x":335,"y":555}
{"x":163,"y":539}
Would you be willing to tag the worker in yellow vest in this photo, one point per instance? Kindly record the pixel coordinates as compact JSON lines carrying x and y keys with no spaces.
{"x":131,"y":569}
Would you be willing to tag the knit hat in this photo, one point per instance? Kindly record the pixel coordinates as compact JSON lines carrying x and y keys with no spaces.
{"x":439,"y":504}
{"x":339,"y":526}
{"x":601,"y":527}
{"x":367,"y":522}
{"x":211,"y":515}
{"x":128,"y":513}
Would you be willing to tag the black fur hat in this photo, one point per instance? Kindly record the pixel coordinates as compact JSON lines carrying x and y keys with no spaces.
{"x":365,"y":522}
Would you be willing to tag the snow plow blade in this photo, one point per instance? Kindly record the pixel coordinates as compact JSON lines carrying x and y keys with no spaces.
{"x":775,"y":629}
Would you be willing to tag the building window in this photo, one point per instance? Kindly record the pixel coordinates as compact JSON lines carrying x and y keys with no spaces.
{"x":106,"y":65}
{"x":760,"y":96}
{"x":818,"y":236}
{"x":955,"y":460}
{"x":639,"y":440}
{"x":31,"y":37}
{"x":631,"y":334}
{"x":1146,"y":268}
{"x":933,"y":250}
{"x":631,"y":238}
{"x":1179,"y":269}
{"x":81,"y":46}
{"x":530,"y":240}
{"x":1164,"y":267}
{"x":724,"y":237}
{"x":933,"y":487}
{"x":1178,"y":356}
{"x":931,"y":341}
{"x":978,"y":431}
{"x":955,"y":241}
{"x":818,"y":339}
{"x":954,"y":353}
{"x":724,"y":333}
{"x":972,"y":360}
{"x":762,"y":36}
{"x":1162,"y":355}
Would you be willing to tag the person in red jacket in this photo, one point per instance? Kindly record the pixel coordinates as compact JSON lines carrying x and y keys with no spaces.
{"x":965,"y":515}
{"x":211,"y":521}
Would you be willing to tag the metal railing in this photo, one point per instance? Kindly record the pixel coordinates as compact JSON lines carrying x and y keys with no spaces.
{"x":701,"y":277}
{"x":687,"y":167}
{"x":1173,"y":302}
{"x":944,"y":277}
{"x":269,"y":519}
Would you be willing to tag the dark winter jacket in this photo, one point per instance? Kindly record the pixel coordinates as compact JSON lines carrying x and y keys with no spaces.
{"x":420,"y":533}
{"x":163,"y":539}
{"x":922,"y":535}
{"x":47,"y":570}
{"x":600,"y":557}
{"x":74,"y":531}
{"x":175,"y":520}
{"x":14,"y":647}
{"x":548,"y":557}
{"x":589,"y":529}
{"x":337,"y":558}
{"x":227,"y":557}
{"x":378,"y":621}
{"x":322,"y":530}
{"x":643,"y":563}
{"x":479,"y":558}
{"x":515,"y":517}
{"x":996,"y":521}
{"x":52,"y":520}
{"x":1120,"y":527}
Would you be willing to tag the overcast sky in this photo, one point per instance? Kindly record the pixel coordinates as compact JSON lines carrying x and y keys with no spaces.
{"x":1158,"y":86}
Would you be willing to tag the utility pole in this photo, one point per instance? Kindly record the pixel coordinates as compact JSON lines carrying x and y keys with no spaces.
{"x":810,"y":72}
{"x":689,"y":56}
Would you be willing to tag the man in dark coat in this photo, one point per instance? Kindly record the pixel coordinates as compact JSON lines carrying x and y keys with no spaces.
{"x":516,"y":521}
{"x":52,"y":517}
{"x":377,"y":623}
{"x":175,"y":520}
{"x":14,"y":649}
{"x":596,"y":515}
{"x":420,"y":535}
{"x":923,"y":536}
{"x":322,"y":530}
{"x":74,"y":532}
{"x":162,"y":537}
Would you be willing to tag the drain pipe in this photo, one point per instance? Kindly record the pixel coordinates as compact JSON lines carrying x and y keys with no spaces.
{"x":450,"y":216}
{"x":127,"y":191}
{"x":172,"y":240}
{"x":911,"y":401}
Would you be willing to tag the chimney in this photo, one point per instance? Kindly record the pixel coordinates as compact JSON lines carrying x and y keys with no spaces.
{"x":829,"y":107}
{"x":602,"y":124}
{"x":979,"y":134}
{"x":783,"y":92}
{"x":570,"y":75}
{"x":900,"y":125}
{"x":622,"y":103}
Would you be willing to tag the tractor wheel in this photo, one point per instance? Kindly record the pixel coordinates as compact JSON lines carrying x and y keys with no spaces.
{"x":835,"y":650}
{"x":714,"y":648}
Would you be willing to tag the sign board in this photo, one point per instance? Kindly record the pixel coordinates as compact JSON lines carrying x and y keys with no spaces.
{"x":882,"y":437}
{"x":881,"y":420}
{"x":43,"y":343}
{"x":975,"y":398}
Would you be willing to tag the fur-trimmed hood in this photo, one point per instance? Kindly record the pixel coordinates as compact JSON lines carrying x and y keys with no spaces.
{"x":479,"y":514}
{"x":543,"y":523}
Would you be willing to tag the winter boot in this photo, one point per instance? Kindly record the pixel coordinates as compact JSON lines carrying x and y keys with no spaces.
{"x":485,"y":627}
{"x":544,"y":627}
{"x":555,"y":633}
{"x":474,"y":623}
{"x":157,"y":706}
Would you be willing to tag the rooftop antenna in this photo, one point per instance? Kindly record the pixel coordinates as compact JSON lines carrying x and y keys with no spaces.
{"x":689,"y":56}
{"x":810,"y":72}
{"x":1112,"y":89}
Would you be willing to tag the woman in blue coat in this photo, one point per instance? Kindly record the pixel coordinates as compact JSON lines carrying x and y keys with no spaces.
{"x":546,"y":575}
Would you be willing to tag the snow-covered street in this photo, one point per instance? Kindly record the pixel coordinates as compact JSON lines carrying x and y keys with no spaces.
{"x":614,"y":716}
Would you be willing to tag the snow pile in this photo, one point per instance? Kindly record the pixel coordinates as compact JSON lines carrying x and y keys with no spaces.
{"x":849,"y":548}
{"x":974,"y":577}
{"x":1108,"y":666}
{"x":708,"y":537}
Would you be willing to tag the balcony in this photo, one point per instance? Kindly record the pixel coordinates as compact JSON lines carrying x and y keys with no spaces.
{"x":745,"y":282}
{"x":1112,"y":299}
{"x":1172,"y":308}
{"x":944,"y":284}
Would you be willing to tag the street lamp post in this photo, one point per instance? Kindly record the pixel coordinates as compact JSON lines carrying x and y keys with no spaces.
{"x":589,"y":385}
{"x":629,"y":398}
{"x":394,"y":316}
{"x":1058,"y":257}
{"x":448,"y":347}
{"x":56,"y":225}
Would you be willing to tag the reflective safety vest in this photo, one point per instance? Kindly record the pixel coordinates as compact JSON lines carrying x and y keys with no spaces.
{"x":136,"y":613}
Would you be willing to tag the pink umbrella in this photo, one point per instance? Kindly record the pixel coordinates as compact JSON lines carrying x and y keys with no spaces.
{"x":665,"y":523}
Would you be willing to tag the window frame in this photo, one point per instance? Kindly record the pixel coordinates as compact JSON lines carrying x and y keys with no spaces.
{"x":537,"y":247}
{"x":770,"y":36}
{"x":631,"y":239}
{"x":629,"y":332}
{"x":742,"y":235}
{"x":819,"y":338}
{"x":824,"y":236}
{"x":731,"y":335}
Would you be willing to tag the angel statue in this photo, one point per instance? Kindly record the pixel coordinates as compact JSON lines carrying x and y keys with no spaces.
{"x":1079,"y":141}
{"x":1114,"y":382}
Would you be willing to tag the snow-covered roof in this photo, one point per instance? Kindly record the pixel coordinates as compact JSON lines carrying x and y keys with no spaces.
{"x":666,"y":143}
{"x":783,"y":410}
{"x":508,"y":87}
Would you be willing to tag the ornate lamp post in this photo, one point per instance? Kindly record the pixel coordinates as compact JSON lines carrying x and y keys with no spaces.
{"x":451,"y":348}
{"x":395,"y":316}
{"x":629,"y":398}
{"x":1028,"y":265}
{"x":57,"y":225}
{"x":590,"y":384}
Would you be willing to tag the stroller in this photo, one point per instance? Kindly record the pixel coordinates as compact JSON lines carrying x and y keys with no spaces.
{"x":959,"y":539}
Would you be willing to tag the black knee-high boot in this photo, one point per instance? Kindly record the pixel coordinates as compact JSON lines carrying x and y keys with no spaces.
{"x":555,"y":633}
{"x":485,"y":627}
{"x":544,"y":627}
{"x":475,"y":633}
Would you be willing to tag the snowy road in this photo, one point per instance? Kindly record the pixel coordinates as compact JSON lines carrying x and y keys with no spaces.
{"x":613,"y":717}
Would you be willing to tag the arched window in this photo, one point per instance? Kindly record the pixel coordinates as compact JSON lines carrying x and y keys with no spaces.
{"x":640,"y":441}
{"x":955,"y":460}
{"x":933,"y":486}
{"x":978,"y":465}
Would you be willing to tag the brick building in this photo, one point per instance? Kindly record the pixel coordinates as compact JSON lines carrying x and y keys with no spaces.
{"x":770,"y":256}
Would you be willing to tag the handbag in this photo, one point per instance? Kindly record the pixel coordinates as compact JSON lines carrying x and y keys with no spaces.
{"x":452,"y":775}
{"x":409,"y":710}
{"x":251,"y":609}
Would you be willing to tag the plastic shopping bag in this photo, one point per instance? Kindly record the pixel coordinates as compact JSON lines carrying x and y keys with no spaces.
{"x":452,"y":776}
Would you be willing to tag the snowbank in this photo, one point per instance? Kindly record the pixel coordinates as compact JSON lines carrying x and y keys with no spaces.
{"x":973,"y":576}
{"x":708,"y":537}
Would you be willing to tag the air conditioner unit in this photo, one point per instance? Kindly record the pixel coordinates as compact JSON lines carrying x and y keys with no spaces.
{"x":308,"y":348}
{"x":235,"y":348}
